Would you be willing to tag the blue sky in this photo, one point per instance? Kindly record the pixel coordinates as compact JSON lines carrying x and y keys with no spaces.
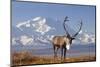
{"x":22,"y":11}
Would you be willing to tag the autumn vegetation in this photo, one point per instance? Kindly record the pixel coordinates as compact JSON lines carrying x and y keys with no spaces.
{"x":26,"y":58}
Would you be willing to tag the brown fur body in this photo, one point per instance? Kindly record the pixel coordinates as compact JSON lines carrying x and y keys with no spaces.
{"x":60,"y":42}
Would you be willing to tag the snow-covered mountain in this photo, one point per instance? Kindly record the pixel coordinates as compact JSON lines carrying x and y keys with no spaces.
{"x":37,"y":25}
{"x":39,"y":32}
{"x":32,"y":32}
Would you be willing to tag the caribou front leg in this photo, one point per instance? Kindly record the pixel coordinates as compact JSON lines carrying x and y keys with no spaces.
{"x":61,"y":53}
{"x":55,"y":51}
{"x":64,"y":53}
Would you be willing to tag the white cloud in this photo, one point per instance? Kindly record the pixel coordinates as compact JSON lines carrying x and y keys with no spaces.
{"x":28,"y":25}
{"x":25,"y":23}
{"x":37,"y":18}
{"x":13,"y":41}
{"x":84,"y":38}
{"x":80,"y":32}
{"x":87,"y":38}
{"x":43,"y":41}
{"x":50,"y":37}
{"x":25,"y":40}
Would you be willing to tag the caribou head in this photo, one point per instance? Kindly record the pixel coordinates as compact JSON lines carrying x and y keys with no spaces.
{"x":64,"y":41}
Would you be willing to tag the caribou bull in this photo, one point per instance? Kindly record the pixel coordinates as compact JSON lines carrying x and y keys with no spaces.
{"x":64,"y":42}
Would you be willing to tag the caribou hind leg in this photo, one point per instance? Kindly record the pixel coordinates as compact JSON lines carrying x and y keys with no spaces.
{"x":62,"y":53}
{"x":55,"y":51}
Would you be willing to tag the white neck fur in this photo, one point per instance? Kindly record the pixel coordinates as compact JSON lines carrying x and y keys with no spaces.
{"x":67,"y":46}
{"x":67,"y":43}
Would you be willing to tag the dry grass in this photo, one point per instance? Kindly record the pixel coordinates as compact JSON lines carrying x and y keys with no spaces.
{"x":26,"y":58}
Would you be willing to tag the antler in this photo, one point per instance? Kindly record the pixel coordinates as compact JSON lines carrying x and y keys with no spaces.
{"x":66,"y":19}
{"x":78,"y":30}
